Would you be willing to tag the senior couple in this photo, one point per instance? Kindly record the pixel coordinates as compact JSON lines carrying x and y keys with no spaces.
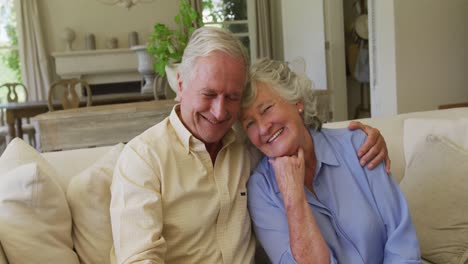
{"x":181,"y":189}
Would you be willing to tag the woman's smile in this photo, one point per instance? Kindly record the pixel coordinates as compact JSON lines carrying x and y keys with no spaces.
{"x":275,"y":135}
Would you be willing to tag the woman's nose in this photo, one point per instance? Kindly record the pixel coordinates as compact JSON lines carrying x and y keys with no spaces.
{"x":264,"y":126}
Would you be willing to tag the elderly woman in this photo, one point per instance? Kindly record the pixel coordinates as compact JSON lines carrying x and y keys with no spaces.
{"x":309,"y":198}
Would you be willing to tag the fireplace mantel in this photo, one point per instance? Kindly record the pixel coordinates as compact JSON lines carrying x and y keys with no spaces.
{"x":98,"y":66}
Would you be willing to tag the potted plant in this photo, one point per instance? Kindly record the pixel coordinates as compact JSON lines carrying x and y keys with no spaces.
{"x":167,"y":45}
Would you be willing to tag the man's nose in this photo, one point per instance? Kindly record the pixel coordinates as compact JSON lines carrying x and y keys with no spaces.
{"x":218,"y":109}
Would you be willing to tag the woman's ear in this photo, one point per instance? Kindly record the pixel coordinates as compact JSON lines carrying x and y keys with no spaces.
{"x":300,"y":106}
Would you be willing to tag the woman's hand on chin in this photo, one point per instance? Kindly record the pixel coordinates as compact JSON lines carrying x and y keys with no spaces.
{"x":289,"y":174}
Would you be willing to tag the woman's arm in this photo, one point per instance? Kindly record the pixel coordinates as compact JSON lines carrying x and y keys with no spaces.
{"x":306,"y":241}
{"x":402,"y":243}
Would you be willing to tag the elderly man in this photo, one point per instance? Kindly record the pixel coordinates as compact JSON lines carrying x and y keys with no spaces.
{"x":179,"y":189}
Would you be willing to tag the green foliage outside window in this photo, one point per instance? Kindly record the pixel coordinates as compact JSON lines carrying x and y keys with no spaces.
{"x":11,"y":58}
{"x":10,"y":70}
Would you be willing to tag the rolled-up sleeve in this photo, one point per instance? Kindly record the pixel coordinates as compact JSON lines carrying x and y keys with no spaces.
{"x":136,"y":210}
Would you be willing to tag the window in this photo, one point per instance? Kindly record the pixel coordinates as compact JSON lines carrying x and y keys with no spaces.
{"x":10,"y":70}
{"x":238,"y":16}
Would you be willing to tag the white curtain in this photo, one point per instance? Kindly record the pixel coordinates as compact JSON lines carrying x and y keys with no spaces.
{"x":34,"y":62}
{"x":264,"y":39}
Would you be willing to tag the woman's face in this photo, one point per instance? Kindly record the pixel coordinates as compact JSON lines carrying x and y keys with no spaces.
{"x":273,"y":124}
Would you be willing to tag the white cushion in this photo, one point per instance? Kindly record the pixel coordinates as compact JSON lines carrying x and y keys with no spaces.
{"x":3,"y":259}
{"x":416,"y":130}
{"x":68,"y":163}
{"x":35,"y":221}
{"x":436,"y":187}
{"x":89,"y":199}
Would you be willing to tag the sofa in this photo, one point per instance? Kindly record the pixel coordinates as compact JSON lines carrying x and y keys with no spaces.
{"x":54,"y":206}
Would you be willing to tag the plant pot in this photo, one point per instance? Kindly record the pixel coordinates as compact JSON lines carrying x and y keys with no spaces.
{"x":171,"y":75}
{"x":145,"y":67}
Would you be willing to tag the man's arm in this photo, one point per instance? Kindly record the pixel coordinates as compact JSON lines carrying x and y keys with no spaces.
{"x":136,"y":211}
{"x":374,"y":150}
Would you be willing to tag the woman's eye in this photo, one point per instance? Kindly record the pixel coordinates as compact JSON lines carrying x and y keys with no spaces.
{"x":248,"y":124}
{"x":267,"y":108}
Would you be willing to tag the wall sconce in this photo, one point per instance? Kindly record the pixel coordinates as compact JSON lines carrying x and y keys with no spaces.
{"x":124,"y":3}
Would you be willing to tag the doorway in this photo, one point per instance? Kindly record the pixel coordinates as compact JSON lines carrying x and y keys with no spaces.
{"x":356,"y":37}
{"x":348,"y":100}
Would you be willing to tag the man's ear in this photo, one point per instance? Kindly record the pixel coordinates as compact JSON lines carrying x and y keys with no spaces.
{"x":179,"y":84}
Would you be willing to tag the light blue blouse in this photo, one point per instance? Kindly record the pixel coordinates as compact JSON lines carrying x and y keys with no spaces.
{"x":361,"y":213}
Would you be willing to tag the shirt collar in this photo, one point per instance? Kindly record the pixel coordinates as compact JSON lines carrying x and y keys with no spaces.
{"x":324,"y":152}
{"x":186,"y":137}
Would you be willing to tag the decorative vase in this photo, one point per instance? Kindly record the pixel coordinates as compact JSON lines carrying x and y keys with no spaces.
{"x":68,"y":35}
{"x":171,"y":75}
{"x":112,"y":43}
{"x":132,"y":39}
{"x":90,"y":41}
{"x":145,"y":67}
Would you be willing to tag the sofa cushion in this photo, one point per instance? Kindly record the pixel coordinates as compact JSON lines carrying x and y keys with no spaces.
{"x":68,"y":163}
{"x":436,"y":187}
{"x":416,"y":130}
{"x":89,"y":199}
{"x":35,"y":221}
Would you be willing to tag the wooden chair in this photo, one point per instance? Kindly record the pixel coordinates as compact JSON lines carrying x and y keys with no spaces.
{"x":12,"y":96}
{"x":68,"y":95}
{"x":159,"y":85}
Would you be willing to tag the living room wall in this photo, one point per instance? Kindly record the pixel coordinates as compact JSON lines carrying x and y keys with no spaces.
{"x":104,"y":21}
{"x":431,"y":53}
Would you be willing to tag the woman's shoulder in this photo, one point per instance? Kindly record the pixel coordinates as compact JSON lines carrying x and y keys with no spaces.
{"x":341,"y":136}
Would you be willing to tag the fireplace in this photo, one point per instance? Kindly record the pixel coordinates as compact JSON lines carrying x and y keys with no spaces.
{"x":111,"y":88}
{"x":106,"y":71}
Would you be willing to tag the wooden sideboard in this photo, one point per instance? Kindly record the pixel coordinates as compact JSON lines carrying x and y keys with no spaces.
{"x":98,"y":125}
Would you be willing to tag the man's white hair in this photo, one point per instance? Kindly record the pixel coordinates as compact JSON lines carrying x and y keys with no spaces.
{"x":206,"y":40}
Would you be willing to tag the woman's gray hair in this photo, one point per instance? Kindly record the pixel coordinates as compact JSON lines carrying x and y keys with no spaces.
{"x":292,"y":87}
{"x":206,"y":40}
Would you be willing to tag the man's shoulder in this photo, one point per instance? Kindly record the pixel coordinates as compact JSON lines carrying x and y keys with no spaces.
{"x":156,"y":135}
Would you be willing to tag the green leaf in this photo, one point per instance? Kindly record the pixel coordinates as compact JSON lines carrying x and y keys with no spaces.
{"x":167,"y":45}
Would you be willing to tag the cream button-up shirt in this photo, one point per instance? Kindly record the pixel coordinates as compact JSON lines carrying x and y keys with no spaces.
{"x":170,"y":204}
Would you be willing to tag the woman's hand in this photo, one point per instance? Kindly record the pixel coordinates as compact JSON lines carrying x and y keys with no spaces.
{"x":306,"y":241}
{"x":374,"y":150}
{"x":289,"y":174}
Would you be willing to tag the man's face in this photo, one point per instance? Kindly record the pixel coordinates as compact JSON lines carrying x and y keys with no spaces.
{"x":210,"y":99}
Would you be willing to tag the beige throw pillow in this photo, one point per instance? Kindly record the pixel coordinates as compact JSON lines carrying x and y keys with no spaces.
{"x":436,"y":187}
{"x":89,"y":199}
{"x":417,"y":129}
{"x":35,"y":221}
